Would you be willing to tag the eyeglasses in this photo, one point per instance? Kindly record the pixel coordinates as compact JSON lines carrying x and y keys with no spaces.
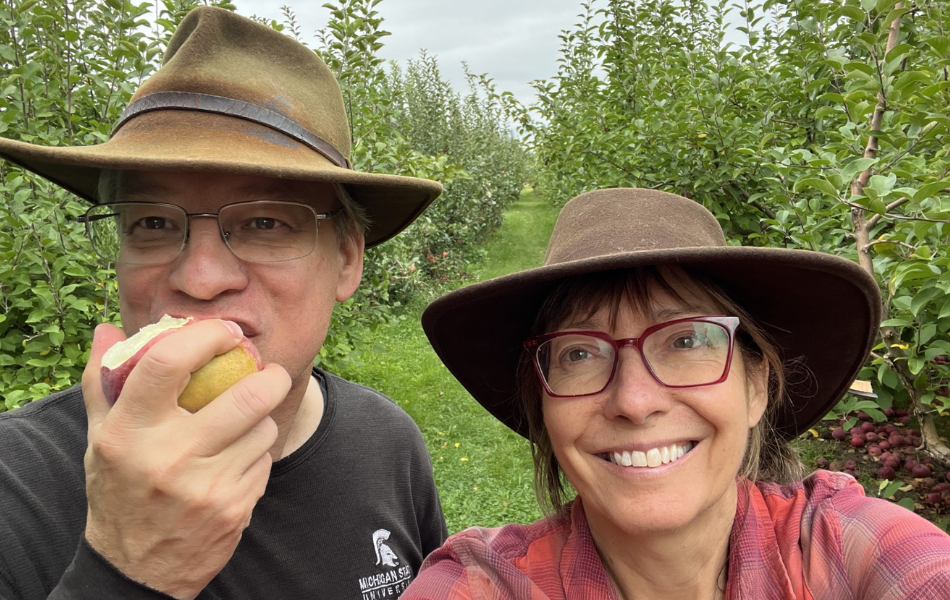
{"x":151,"y":233}
{"x":689,"y":352}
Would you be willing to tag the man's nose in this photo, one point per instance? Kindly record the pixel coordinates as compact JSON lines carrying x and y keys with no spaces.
{"x":634,"y":394}
{"x":206,"y":266}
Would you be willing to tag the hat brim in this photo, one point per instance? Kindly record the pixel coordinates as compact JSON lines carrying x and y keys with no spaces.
{"x":191,"y":141}
{"x":820,"y":310}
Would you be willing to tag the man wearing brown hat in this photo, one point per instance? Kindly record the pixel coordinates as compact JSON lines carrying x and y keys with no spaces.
{"x":225,"y":194}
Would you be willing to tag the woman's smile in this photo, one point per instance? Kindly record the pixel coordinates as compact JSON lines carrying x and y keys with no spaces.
{"x":649,"y":459}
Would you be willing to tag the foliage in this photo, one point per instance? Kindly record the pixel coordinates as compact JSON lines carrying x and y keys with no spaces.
{"x":68,"y":69}
{"x":822,"y":130}
{"x":483,"y":469}
{"x":412,"y":123}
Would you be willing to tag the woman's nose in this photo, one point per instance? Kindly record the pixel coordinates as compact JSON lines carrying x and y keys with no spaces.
{"x":635,"y":394}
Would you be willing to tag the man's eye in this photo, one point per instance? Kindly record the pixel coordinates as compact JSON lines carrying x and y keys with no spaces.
{"x":153,"y":223}
{"x":263,"y":223}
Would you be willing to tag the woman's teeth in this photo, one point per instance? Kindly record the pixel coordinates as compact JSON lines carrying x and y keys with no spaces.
{"x":654,"y":457}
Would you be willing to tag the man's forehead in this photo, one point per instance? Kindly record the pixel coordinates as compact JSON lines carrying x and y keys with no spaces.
{"x":177,"y":187}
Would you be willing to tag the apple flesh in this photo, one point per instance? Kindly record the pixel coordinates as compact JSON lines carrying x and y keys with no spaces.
{"x":207,"y":383}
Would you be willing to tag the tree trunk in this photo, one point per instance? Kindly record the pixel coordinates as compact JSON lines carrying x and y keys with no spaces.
{"x":931,"y":442}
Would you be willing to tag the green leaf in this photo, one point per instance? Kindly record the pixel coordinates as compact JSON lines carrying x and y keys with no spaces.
{"x":818,"y":183}
{"x":941,"y":44}
{"x":912,"y":77}
{"x":944,"y":310}
{"x":853,"y":168}
{"x":852,"y":12}
{"x":877,"y":206}
{"x":923,"y":298}
{"x":931,"y":189}
{"x":884,"y":5}
{"x":897,"y":323}
{"x":897,"y":51}
{"x":889,"y":488}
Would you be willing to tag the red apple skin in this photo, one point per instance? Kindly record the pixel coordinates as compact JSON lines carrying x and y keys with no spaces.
{"x":886,"y":473}
{"x":113,"y":380}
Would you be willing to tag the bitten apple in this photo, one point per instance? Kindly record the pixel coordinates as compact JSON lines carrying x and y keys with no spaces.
{"x":206,"y":384}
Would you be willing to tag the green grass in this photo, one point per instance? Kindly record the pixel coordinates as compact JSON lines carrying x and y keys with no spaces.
{"x":482,"y":469}
{"x":522,"y":239}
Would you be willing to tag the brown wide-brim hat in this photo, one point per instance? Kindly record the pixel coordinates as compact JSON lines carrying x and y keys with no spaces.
{"x":235,"y":96}
{"x":819,"y":309}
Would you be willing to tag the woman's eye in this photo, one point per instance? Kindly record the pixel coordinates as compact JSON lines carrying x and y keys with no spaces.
{"x":686,"y":342}
{"x":578,"y":354}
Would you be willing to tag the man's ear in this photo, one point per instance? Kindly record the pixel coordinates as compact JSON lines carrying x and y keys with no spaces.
{"x":757,"y":379}
{"x":351,"y":271}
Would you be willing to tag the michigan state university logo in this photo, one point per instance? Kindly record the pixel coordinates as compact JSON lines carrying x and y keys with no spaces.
{"x":390,"y":579}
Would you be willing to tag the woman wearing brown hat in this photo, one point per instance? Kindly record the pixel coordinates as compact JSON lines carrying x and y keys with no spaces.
{"x":661,"y":373}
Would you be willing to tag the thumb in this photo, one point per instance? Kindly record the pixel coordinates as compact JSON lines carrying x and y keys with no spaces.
{"x":97,"y":407}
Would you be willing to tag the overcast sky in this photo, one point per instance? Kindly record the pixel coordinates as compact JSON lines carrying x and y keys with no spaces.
{"x":513,"y":41}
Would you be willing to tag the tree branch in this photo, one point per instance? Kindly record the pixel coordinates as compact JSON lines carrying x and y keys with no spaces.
{"x":873,"y":220}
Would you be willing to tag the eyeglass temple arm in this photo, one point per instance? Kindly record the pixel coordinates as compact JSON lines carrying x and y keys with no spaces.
{"x":88,"y":219}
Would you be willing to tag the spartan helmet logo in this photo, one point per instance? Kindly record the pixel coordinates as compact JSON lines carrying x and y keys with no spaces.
{"x":384,"y":554}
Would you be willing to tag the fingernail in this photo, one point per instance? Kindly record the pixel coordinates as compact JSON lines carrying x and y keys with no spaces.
{"x":234,"y":328}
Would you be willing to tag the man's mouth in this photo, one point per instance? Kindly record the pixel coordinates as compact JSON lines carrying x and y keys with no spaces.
{"x":247,"y":328}
{"x":652,"y":458}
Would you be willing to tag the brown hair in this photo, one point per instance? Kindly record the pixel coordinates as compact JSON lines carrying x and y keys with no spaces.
{"x":768,"y":456}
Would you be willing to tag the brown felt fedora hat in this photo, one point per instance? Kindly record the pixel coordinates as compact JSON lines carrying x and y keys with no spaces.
{"x":235,"y":96}
{"x":821,"y":309}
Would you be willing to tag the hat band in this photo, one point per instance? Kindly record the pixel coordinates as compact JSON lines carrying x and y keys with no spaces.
{"x":233,"y":108}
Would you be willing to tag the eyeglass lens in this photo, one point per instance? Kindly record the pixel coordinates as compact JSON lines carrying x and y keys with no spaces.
{"x":687,"y":353}
{"x":143,"y":233}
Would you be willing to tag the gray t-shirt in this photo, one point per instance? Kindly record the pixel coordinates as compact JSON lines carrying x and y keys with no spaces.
{"x":350,"y":514}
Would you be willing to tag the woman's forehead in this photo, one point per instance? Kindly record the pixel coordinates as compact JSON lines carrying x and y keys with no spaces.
{"x":659,"y":297}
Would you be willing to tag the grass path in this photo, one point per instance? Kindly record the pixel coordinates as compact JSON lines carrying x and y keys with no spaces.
{"x":482,"y":469}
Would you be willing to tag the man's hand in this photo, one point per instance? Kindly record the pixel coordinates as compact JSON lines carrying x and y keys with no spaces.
{"x":171,"y":492}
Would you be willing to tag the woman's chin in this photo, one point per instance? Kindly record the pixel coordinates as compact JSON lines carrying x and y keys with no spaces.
{"x":651,"y":516}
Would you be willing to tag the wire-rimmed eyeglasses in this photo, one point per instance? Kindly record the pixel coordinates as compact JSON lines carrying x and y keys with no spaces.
{"x":153,"y":233}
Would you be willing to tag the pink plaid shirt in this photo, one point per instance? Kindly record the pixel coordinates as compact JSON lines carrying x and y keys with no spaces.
{"x":820,"y":539}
